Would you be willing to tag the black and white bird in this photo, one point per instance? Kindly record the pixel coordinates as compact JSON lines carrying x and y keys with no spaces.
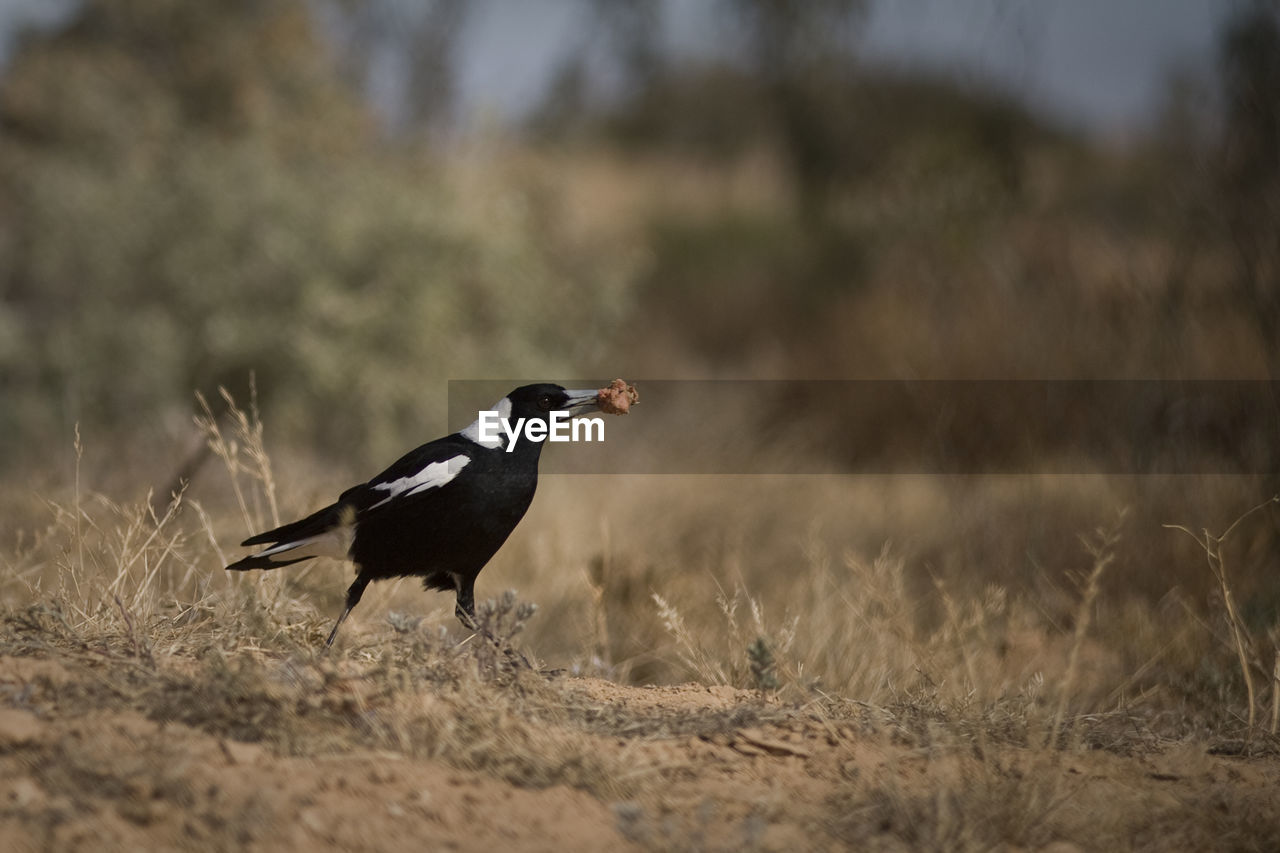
{"x":439,"y":513}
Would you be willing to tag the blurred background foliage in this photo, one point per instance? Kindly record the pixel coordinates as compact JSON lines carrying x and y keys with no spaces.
{"x":191,"y":194}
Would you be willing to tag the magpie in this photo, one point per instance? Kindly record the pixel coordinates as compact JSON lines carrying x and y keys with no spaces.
{"x":439,"y":513}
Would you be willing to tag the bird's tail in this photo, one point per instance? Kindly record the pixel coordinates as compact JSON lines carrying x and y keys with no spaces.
{"x":265,"y":561}
{"x":326,"y":533}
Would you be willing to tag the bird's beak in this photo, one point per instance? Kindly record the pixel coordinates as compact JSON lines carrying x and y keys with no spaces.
{"x":582,"y":401}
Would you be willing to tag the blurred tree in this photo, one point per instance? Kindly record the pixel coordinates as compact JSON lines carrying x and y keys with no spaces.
{"x":1250,"y":175}
{"x":402,"y":54}
{"x":131,"y":73}
{"x":1250,"y":182}
{"x":633,"y":30}
{"x":790,"y":85}
{"x":622,"y":37}
{"x":801,"y":51}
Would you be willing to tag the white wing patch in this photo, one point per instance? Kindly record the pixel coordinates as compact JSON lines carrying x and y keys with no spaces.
{"x":433,"y":476}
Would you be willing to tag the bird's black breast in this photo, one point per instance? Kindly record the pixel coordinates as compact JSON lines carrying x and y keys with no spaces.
{"x":450,"y":530}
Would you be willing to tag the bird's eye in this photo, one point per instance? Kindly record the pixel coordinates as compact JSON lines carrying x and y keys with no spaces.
{"x":544,"y":402}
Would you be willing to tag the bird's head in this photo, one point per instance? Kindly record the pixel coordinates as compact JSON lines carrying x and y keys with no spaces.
{"x":540,"y":400}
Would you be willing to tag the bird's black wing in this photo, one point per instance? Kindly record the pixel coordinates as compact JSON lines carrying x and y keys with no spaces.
{"x":329,"y":531}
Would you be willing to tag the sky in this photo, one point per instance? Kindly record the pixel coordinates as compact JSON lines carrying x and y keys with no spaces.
{"x":1099,"y":65}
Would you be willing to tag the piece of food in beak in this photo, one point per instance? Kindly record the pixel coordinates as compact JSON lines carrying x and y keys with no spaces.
{"x":617,"y":398}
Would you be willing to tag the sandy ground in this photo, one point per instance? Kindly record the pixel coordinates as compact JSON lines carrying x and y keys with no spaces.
{"x":699,"y":769}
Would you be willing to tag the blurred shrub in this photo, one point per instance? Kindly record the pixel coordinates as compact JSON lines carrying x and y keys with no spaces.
{"x":189,"y":193}
{"x":725,"y":286}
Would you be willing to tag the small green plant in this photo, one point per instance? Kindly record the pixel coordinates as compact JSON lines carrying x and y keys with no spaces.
{"x":763,"y":666}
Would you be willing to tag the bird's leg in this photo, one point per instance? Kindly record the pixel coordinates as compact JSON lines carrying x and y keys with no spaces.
{"x":466,"y":613}
{"x":466,"y":607}
{"x":353,"y":598}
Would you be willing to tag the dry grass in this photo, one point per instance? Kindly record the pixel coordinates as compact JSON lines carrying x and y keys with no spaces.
{"x":905,"y":707}
{"x":1247,"y":651}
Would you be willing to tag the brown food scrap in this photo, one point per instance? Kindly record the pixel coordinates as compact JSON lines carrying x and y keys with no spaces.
{"x":617,"y":398}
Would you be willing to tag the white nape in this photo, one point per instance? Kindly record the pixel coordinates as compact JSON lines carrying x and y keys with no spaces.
{"x":503,"y":408}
